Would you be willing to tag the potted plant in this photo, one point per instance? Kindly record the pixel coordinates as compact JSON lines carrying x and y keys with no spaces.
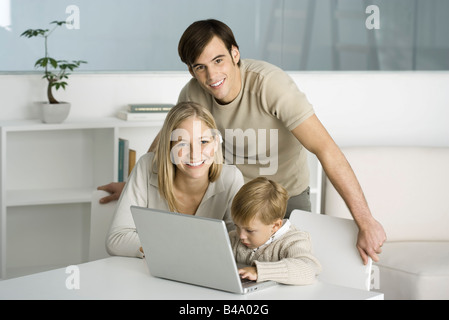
{"x":56,"y":74}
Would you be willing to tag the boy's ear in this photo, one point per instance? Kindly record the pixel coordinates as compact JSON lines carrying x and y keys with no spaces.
{"x":277,"y":225}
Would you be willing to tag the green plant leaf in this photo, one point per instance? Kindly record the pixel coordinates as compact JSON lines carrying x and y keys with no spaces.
{"x":34,"y":33}
{"x":53,"y":62}
{"x":59,"y":23}
{"x":42,"y":62}
{"x":53,"y":77}
{"x":58,"y":85}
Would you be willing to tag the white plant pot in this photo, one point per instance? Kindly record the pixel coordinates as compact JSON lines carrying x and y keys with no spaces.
{"x":53,"y":112}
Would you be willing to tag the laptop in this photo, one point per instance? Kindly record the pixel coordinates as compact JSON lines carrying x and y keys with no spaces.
{"x":190,"y":249}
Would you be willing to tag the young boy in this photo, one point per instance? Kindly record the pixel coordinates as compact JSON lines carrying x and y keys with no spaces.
{"x":272,"y":247}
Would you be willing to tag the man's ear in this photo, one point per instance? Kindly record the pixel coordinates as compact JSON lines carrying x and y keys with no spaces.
{"x":235,"y":54}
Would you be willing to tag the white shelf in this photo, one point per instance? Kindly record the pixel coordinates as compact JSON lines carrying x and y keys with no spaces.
{"x":49,"y":196}
{"x":81,"y":123}
{"x":48,"y":171}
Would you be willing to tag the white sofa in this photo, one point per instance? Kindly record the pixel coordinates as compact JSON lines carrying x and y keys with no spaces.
{"x":407,"y":189}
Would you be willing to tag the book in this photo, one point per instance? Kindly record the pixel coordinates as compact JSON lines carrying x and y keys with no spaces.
{"x":137,"y":108}
{"x":132,"y":160}
{"x":141,"y":116}
{"x":123,"y":159}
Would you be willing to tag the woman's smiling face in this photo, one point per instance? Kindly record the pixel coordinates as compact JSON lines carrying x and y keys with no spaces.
{"x":193,"y":148}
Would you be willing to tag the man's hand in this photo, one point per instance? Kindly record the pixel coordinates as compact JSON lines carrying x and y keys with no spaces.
{"x":114,"y":188}
{"x":370,"y":240}
{"x":248,"y":273}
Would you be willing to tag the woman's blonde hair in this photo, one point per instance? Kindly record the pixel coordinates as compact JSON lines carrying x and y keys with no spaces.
{"x":163,"y":162}
{"x":259,"y":197}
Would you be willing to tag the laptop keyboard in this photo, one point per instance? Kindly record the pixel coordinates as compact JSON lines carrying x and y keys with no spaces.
{"x":246,"y":280}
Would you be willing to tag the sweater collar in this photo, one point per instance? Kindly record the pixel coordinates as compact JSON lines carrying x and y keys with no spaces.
{"x":282,"y":230}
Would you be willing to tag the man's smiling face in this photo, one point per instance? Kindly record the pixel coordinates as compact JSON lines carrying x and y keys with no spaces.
{"x":217,"y":71}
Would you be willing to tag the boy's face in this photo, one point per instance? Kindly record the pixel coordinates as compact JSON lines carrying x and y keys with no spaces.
{"x":217,"y":71}
{"x":256,"y":233}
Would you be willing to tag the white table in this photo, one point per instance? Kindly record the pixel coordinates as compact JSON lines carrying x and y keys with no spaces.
{"x":129,"y":278}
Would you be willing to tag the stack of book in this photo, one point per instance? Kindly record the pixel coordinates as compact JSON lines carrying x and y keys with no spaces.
{"x":144,"y":112}
{"x":126,"y":159}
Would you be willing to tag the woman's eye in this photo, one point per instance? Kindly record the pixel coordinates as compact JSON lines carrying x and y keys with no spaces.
{"x":182,"y":145}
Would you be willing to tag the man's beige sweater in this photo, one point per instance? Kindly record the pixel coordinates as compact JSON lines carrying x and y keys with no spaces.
{"x":288,"y":259}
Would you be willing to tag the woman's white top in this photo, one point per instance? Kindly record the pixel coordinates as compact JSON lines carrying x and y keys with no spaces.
{"x":142,"y":190}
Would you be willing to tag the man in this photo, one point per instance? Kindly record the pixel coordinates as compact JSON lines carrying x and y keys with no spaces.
{"x":260,"y":111}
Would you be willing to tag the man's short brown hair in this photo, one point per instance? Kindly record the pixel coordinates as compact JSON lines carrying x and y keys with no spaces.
{"x":196,"y":37}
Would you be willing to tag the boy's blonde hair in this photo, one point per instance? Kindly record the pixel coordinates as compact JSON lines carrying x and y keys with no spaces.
{"x":259,"y":197}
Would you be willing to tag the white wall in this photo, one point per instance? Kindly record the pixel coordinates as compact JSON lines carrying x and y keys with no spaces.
{"x":357,"y":108}
{"x":91,"y":95}
{"x":381,"y":108}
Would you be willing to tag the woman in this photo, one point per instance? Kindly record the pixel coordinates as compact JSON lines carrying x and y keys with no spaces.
{"x":185,"y":174}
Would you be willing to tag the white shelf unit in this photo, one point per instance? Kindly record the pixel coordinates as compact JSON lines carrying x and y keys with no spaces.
{"x":47,"y":175}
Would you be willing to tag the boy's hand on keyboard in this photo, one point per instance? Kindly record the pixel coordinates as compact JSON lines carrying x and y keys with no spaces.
{"x":248,"y":273}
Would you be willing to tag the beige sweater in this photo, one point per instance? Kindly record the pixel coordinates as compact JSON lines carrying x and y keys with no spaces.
{"x":269,"y":102}
{"x":287,"y":260}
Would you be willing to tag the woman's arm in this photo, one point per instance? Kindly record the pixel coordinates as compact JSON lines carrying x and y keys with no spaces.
{"x":122,"y":239}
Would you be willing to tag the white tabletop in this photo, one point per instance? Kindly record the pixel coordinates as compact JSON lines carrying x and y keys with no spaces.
{"x":129,"y":278}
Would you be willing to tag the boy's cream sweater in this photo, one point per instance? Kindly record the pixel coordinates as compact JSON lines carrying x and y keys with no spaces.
{"x":287,"y":259}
